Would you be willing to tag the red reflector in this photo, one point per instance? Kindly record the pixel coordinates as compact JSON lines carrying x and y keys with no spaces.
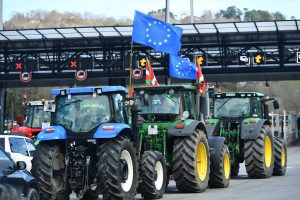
{"x":107,"y":128}
{"x":252,"y":122}
{"x":179,"y":126}
{"x":49,"y":130}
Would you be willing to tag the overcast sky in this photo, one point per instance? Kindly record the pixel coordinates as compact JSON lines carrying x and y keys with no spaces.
{"x":125,"y":8}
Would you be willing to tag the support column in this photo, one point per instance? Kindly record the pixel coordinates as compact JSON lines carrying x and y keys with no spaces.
{"x":2,"y":108}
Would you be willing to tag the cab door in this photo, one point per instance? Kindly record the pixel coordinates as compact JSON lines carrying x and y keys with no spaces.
{"x":19,"y":151}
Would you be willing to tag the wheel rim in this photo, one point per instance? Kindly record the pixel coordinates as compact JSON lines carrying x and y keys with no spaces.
{"x":160,"y":175}
{"x":282,"y":157}
{"x":202,"y":161}
{"x":268,"y":151}
{"x":226,"y":166}
{"x":126,"y":157}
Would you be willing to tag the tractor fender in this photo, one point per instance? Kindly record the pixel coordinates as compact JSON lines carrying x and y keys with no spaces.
{"x":111,"y":130}
{"x":251,"y":131}
{"x":213,"y":130}
{"x":215,"y":148}
{"x":187,"y":130}
{"x":58,"y":133}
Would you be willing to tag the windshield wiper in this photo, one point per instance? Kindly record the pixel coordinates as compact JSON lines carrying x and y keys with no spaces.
{"x":170,"y":98}
{"x":223,"y":104}
{"x":67,"y":104}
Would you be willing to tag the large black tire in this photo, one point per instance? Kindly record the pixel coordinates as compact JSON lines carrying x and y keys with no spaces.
{"x":48,"y":167}
{"x":153,"y":175}
{"x":220,"y":169}
{"x":259,"y":155}
{"x":32,"y":194}
{"x":117,"y":169}
{"x":186,"y":171}
{"x":235,"y":168}
{"x":280,"y":153}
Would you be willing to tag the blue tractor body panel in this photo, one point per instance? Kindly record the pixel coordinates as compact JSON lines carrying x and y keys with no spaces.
{"x":59,"y":133}
{"x":116,"y":128}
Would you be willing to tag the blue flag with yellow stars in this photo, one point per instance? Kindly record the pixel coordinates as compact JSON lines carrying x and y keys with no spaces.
{"x":155,"y":33}
{"x":182,"y":68}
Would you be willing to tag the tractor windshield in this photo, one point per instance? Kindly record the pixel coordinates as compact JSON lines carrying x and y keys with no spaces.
{"x":161,"y":103}
{"x":231,"y":107}
{"x":35,"y":116}
{"x":82,"y":113}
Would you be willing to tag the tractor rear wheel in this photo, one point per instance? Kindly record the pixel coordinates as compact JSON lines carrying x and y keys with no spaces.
{"x":259,"y":156}
{"x":280,"y":152}
{"x":153,"y":175}
{"x":117,"y":169}
{"x":220,"y":169}
{"x":191,"y":164}
{"x":48,"y":166}
{"x":235,"y":168}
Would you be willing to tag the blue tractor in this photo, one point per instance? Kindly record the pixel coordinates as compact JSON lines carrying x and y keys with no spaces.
{"x":89,"y":149}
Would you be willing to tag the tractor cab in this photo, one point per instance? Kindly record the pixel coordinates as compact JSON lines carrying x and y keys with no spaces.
{"x":241,"y":105}
{"x":83,"y":110}
{"x":166,"y":103}
{"x":35,"y":119}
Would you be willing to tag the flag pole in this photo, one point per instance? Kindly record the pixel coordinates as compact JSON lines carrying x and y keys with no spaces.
{"x":130,"y":65}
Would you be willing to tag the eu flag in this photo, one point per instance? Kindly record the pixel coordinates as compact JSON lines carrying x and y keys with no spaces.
{"x":182,"y":68}
{"x":155,"y":33}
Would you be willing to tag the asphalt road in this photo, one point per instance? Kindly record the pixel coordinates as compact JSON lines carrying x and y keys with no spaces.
{"x":242,"y":188}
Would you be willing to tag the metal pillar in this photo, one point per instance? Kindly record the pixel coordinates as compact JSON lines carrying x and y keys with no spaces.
{"x":192,"y":11}
{"x":2,"y":108}
{"x":1,"y":14}
{"x":167,"y":11}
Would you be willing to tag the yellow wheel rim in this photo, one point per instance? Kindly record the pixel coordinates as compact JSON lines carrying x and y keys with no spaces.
{"x":226,"y":166}
{"x":202,"y":161}
{"x":283,"y":157}
{"x":268,"y":151}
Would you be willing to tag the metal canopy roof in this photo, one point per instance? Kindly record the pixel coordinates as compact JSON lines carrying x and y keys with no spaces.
{"x":125,"y":31}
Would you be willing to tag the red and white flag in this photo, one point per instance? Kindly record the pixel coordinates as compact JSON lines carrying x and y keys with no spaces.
{"x":200,"y":78}
{"x":150,"y":77}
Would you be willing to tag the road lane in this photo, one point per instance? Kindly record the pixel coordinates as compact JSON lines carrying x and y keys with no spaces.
{"x":242,"y":188}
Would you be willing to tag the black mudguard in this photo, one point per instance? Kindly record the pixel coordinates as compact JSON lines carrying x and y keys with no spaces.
{"x":187,"y":130}
{"x":213,"y":130}
{"x":251,"y":131}
{"x":215,"y":148}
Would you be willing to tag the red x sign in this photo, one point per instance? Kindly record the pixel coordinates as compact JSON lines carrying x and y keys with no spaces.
{"x":18,"y":65}
{"x":73,"y":63}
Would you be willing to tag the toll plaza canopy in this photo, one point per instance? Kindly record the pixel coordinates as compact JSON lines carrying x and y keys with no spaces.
{"x":265,"y":50}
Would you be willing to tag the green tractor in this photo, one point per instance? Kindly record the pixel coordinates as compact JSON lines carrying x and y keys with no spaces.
{"x":243,"y":118}
{"x":172,"y":128}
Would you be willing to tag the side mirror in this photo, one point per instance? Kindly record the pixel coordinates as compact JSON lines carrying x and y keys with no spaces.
{"x":49,"y":106}
{"x":146,"y":99}
{"x":21,"y":165}
{"x":275,"y":104}
{"x":211,"y":92}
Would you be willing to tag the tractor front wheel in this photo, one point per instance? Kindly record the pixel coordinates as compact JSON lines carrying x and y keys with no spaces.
{"x":153,"y":175}
{"x":220,"y":168}
{"x":280,"y":152}
{"x":259,"y":156}
{"x":191,"y":164}
{"x":117,"y":169}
